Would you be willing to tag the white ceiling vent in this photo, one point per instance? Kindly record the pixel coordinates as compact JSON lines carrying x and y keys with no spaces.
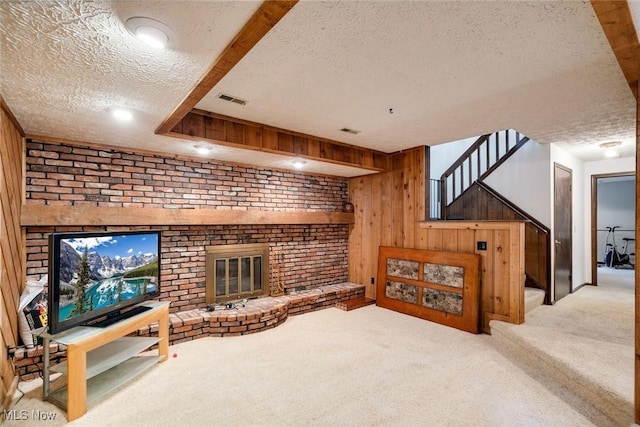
{"x":351,"y":131}
{"x":230,"y":98}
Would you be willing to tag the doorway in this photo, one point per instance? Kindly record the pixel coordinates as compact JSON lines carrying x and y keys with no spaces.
{"x":562,"y":177}
{"x":612,"y":204}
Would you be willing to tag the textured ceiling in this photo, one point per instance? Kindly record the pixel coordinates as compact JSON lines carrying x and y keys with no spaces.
{"x":449,"y":70}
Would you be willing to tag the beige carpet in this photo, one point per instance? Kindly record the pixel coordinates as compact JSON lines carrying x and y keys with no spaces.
{"x":367,"y":367}
{"x":584,"y":344}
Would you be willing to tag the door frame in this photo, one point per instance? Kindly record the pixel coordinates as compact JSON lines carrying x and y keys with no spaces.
{"x":594,"y":219}
{"x":557,"y":166}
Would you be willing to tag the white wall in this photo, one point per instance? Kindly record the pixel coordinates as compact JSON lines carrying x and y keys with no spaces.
{"x":533,"y":166}
{"x":579,"y":261}
{"x":599,"y":167}
{"x":524,"y":180}
{"x":443,"y":155}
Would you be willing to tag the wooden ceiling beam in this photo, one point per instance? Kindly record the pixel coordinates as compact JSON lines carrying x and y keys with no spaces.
{"x":617,"y":24}
{"x":199,"y":125}
{"x":262,"y":21}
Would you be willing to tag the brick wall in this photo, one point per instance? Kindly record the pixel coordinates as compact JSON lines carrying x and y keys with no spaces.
{"x":314,"y":255}
{"x":70,"y":175}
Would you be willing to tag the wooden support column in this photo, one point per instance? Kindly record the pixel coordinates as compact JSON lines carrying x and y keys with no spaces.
{"x":637,"y":329}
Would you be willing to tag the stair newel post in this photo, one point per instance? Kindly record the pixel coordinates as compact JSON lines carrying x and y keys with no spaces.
{"x":443,"y":198}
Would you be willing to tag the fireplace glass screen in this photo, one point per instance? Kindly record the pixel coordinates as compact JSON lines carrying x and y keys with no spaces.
{"x":236,"y":272}
{"x":238,"y":276}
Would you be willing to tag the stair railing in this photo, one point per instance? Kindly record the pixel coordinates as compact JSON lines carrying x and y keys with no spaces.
{"x":477,"y":162}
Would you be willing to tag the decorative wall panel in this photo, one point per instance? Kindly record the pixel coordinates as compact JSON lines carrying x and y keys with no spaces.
{"x":442,"y":300}
{"x":402,"y":292}
{"x":444,"y":275}
{"x":402,"y":268}
{"x":443,"y":287}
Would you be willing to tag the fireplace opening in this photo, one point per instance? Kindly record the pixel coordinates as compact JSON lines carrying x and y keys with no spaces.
{"x":236,"y":272}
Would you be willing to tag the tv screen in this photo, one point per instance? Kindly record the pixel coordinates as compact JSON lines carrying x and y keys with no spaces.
{"x":98,"y":274}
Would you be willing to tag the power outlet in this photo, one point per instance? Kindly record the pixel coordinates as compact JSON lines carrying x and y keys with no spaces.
{"x":373,"y":281}
{"x":481,"y":246}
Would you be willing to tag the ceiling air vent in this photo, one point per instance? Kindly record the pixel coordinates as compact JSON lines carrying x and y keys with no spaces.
{"x":230,"y":98}
{"x":351,"y":131}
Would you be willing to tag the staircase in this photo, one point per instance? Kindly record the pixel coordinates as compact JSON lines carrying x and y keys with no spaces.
{"x":465,"y":196}
{"x":483,"y":157}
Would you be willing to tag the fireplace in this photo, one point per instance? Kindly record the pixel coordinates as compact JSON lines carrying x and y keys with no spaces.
{"x":235,"y":272}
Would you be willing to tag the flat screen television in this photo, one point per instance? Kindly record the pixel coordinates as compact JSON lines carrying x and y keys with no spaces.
{"x":96,"y":276}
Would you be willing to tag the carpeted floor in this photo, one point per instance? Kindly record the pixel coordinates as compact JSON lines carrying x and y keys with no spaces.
{"x":367,"y":367}
{"x":584,"y":344}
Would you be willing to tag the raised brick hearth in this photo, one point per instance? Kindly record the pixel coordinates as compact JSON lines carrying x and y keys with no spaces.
{"x":257,"y":315}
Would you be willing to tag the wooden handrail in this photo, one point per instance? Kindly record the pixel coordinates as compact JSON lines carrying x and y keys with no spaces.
{"x":465,"y":155}
{"x":466,"y":179}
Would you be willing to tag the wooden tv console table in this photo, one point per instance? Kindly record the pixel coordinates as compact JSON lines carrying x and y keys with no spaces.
{"x":101,"y":359}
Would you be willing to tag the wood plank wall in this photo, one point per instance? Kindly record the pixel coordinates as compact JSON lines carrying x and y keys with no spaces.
{"x":388,"y":207}
{"x":501,"y":267}
{"x":390,"y":210}
{"x":478,"y":203}
{"x":12,"y":242}
{"x":201,"y":125}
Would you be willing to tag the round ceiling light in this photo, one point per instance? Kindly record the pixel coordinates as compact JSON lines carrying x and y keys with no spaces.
{"x":610,"y":153}
{"x":610,"y":149}
{"x":203,"y":150}
{"x":152,"y":32}
{"x":299,"y":164}
{"x":122,"y":114}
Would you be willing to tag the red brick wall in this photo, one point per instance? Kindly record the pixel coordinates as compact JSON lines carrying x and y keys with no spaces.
{"x":69,"y":175}
{"x":314,"y":255}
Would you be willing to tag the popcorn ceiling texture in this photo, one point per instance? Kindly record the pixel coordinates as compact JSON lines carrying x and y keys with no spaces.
{"x":449,"y":70}
{"x":314,"y":255}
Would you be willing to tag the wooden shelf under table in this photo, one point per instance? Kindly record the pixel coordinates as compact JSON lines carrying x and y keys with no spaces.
{"x":102,"y":359}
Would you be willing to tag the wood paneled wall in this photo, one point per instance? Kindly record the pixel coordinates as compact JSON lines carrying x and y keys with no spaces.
{"x":501,"y":267}
{"x":480,"y":202}
{"x":202,"y":125}
{"x":390,"y":210}
{"x":12,"y":252}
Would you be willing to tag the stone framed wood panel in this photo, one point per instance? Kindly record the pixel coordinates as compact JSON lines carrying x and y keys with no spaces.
{"x":443,"y":287}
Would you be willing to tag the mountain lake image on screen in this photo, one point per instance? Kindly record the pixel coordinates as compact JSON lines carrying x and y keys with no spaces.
{"x":97,"y":273}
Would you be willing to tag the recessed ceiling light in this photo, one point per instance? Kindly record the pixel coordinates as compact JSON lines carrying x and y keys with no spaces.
{"x":122,"y":114}
{"x":299,"y":164}
{"x":203,"y":150}
{"x":152,"y":32}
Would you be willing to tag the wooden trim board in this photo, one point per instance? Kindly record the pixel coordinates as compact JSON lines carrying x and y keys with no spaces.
{"x":53,"y":215}
{"x":263,"y":20}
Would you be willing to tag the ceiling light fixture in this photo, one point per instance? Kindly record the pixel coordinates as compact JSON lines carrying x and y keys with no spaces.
{"x":150,"y":31}
{"x":299,"y":164}
{"x":610,"y":153}
{"x":609,"y":147}
{"x":203,"y":150}
{"x":122,"y":114}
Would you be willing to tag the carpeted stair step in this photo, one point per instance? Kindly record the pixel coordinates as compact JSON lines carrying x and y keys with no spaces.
{"x":533,"y":297}
{"x":600,"y":392}
{"x":352,"y":304}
